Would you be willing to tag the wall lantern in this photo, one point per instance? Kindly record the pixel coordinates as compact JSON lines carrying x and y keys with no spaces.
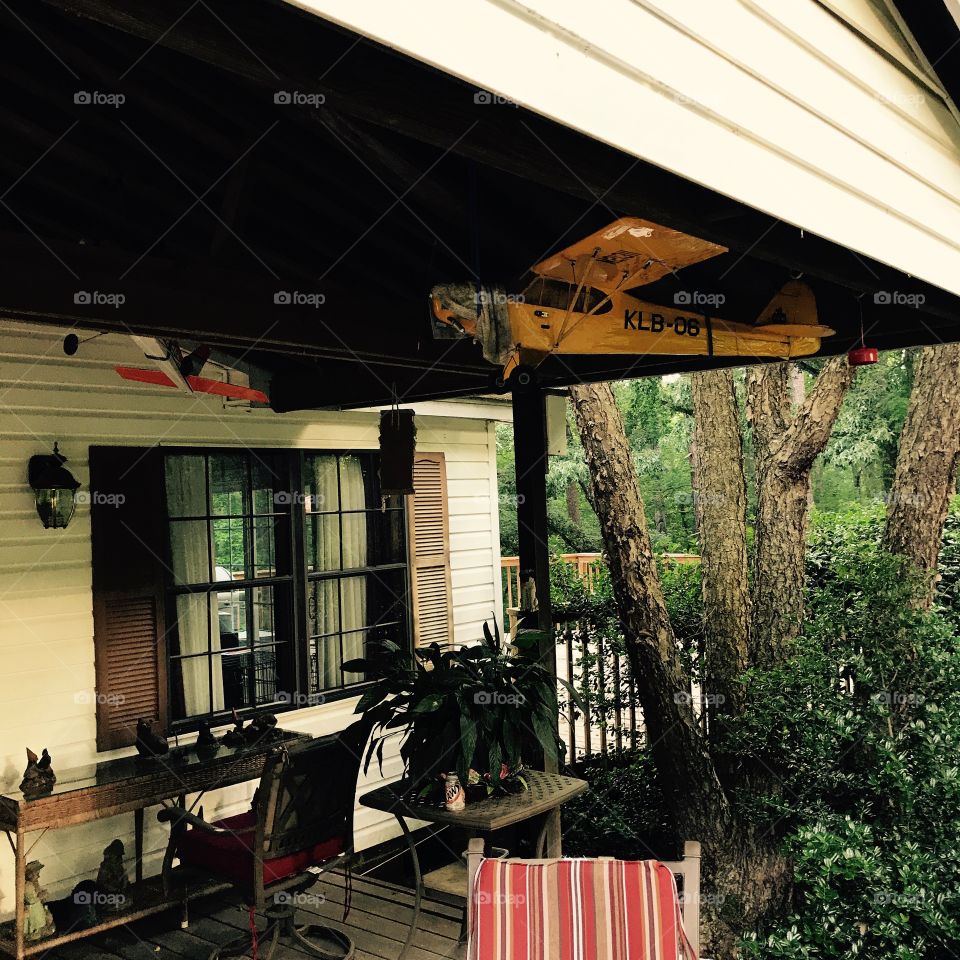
{"x":54,"y":487}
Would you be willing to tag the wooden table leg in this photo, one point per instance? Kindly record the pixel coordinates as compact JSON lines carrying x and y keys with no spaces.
{"x":418,"y":881}
{"x":20,"y":884}
{"x":138,"y":841}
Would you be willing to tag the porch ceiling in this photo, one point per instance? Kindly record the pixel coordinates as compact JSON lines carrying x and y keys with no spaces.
{"x":200,"y":198}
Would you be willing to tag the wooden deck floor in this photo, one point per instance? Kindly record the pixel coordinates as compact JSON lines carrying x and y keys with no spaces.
{"x":378,"y":923}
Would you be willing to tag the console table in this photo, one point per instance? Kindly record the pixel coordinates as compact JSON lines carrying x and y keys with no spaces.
{"x":110,"y":788}
{"x":546,"y":792}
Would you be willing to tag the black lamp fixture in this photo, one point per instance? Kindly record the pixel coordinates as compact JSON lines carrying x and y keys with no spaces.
{"x":54,"y":487}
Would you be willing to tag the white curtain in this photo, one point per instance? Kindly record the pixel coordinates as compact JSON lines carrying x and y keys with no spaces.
{"x":339,"y":606}
{"x":196,"y":615}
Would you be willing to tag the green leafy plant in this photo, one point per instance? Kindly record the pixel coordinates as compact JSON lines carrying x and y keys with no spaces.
{"x":474,"y":708}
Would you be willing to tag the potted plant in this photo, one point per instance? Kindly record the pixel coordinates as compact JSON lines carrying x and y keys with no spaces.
{"x":470,"y":710}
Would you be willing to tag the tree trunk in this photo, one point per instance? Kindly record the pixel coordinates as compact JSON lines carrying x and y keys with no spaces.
{"x":720,"y":501}
{"x":785,"y":447}
{"x":926,"y":470}
{"x":573,"y":503}
{"x":745,"y":873}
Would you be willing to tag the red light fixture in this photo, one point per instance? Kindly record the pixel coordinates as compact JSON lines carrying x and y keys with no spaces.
{"x":863,"y":356}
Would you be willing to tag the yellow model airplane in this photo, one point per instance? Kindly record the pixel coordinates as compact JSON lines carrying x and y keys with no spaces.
{"x":577,"y":304}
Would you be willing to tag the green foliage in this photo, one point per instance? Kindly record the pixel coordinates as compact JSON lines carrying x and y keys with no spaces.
{"x":474,"y":707}
{"x":623,"y":815}
{"x":862,"y":729}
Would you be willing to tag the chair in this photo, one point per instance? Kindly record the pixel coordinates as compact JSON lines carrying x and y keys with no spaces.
{"x":301,"y":821}
{"x":595,"y":909}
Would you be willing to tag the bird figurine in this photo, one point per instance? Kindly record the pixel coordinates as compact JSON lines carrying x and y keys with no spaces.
{"x":38,"y":778}
{"x":261,"y":728}
{"x":149,"y":742}
{"x":207,"y":744}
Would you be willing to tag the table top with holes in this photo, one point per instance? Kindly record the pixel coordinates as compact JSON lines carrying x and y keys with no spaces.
{"x":545,"y":792}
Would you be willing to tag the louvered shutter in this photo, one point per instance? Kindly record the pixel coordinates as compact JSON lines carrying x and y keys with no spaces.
{"x":430,"y":552}
{"x":127,"y":531}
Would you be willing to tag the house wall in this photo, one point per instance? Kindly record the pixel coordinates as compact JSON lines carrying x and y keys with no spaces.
{"x":47,"y":695}
{"x":817,"y":113}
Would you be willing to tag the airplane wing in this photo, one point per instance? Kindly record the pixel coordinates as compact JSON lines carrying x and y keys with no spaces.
{"x":627,"y":253}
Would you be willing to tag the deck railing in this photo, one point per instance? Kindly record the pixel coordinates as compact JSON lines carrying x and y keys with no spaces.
{"x":589,"y":658}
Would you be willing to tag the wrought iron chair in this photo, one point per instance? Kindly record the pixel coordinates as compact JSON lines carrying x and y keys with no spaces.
{"x":301,"y":823}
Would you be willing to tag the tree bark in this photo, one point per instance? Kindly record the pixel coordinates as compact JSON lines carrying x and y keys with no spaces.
{"x":720,"y":501}
{"x":744,"y":870}
{"x":785,"y":447}
{"x":926,"y":470}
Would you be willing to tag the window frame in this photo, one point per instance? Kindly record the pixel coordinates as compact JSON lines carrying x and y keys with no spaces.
{"x":294,"y":675}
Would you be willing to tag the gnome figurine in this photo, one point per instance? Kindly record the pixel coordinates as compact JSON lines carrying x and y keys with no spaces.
{"x":38,"y":921}
{"x":112,"y":880}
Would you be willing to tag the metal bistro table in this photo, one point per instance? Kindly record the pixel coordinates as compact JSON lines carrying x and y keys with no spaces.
{"x":546,"y":792}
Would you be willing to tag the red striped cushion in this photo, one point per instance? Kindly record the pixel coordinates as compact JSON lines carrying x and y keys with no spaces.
{"x":576,"y":910}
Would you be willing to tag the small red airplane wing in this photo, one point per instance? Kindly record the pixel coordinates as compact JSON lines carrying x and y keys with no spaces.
{"x":158,"y":378}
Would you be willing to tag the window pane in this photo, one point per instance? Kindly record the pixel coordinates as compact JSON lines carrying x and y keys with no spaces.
{"x":229,"y":488}
{"x":235,"y":669}
{"x":265,"y":674}
{"x":388,"y":601}
{"x":194,"y":625}
{"x":320,"y":482}
{"x":353,"y":603}
{"x":190,"y":680}
{"x":230,"y":549}
{"x":264,"y":471}
{"x":190,"y":552}
{"x":358,"y":482}
{"x":355,"y":542}
{"x":323,"y":607}
{"x":325,"y":672}
{"x":232,"y":618}
{"x":323,"y":542}
{"x":264,"y":547}
{"x":354,"y":645}
{"x":263,"y":626}
{"x":186,"y":485}
{"x":389,"y":545}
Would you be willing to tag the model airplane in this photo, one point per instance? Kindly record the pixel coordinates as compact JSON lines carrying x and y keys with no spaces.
{"x":578,"y":304}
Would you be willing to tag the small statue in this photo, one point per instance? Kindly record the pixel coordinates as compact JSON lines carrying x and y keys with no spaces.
{"x":261,"y":728}
{"x":150,"y":743}
{"x":39,"y":777}
{"x":207,"y":744}
{"x":235,"y":737}
{"x":38,"y":922}
{"x":112,"y":880}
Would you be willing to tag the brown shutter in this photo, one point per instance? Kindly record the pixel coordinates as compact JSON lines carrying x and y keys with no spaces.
{"x":432,"y":601}
{"x":127,"y":530}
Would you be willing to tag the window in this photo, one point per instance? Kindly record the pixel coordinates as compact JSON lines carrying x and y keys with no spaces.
{"x":241,"y":579}
{"x":559,"y":294}
{"x":231,"y":581}
{"x":355,"y":564}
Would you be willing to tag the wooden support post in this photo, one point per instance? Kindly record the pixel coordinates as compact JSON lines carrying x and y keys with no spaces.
{"x":530,"y":457}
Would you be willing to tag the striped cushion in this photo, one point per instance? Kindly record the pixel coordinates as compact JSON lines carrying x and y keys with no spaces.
{"x":576,"y":910}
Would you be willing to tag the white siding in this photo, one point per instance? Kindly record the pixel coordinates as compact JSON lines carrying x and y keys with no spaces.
{"x":46,"y":621}
{"x":776,"y":103}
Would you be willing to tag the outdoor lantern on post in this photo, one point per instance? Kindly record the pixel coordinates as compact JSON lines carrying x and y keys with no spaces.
{"x":54,"y":487}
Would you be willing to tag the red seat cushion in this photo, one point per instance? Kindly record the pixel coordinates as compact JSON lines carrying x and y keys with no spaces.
{"x":230,"y":855}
